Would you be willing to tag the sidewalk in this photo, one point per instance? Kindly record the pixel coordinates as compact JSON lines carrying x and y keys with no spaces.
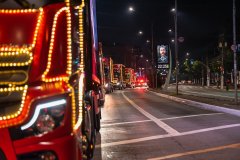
{"x":213,"y":104}
{"x":231,"y":88}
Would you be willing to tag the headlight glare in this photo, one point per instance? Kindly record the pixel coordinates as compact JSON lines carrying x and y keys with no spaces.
{"x":45,"y":123}
{"x":46,"y":117}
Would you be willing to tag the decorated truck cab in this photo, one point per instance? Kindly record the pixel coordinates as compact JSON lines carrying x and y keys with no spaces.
{"x":49,"y":81}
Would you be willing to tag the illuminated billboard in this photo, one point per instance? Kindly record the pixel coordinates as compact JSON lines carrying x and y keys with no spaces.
{"x":162,"y":56}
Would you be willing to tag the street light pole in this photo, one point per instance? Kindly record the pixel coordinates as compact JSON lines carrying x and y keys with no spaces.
{"x":234,"y":52}
{"x":176,"y":45}
{"x":222,"y":66}
{"x":152,"y":58}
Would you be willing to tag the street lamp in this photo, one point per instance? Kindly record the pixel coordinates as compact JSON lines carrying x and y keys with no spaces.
{"x":173,"y":9}
{"x":131,"y":9}
{"x":176,"y":43}
{"x":222,"y":45}
{"x":234,"y":53}
{"x":140,"y":32}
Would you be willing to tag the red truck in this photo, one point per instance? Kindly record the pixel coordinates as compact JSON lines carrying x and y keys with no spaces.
{"x":119,"y":76}
{"x":130,"y":77}
{"x":49,"y":85}
{"x":108,"y":74}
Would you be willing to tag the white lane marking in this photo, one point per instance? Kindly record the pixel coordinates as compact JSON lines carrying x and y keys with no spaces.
{"x":122,"y":123}
{"x":236,"y":145}
{"x":165,"y":136}
{"x":196,"y":115}
{"x":200,"y":104}
{"x":189,"y":116}
{"x":161,"y":124}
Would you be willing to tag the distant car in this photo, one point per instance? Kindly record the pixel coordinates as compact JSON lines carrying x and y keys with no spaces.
{"x":108,"y":87}
{"x":141,"y":83}
{"x":189,"y":82}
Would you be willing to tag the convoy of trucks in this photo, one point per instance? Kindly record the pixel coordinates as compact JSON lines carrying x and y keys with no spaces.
{"x":53,"y":81}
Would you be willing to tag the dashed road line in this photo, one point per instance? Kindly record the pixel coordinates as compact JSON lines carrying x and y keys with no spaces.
{"x":137,"y":140}
{"x":162,"y":119}
{"x":160,"y":123}
{"x":237,"y":145}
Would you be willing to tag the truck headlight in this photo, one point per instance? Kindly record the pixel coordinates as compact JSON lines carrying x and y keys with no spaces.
{"x":46,"y":117}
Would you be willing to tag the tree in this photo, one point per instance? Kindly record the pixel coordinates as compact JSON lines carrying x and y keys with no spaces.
{"x":196,"y":68}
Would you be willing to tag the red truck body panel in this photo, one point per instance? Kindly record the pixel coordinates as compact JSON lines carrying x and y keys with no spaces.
{"x":26,"y":31}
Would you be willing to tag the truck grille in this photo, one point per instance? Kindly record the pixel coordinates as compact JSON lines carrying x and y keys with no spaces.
{"x":2,"y":155}
{"x":10,"y":102}
{"x":14,"y":67}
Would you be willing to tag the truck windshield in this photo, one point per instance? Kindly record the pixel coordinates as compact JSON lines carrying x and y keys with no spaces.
{"x":116,"y":73}
{"x":21,"y":4}
{"x":127,"y":76}
{"x":106,"y":70}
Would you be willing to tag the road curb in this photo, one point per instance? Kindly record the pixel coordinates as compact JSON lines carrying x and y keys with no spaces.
{"x":199,"y":104}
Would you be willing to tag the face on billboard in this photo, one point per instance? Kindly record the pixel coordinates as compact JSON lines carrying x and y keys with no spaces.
{"x":162,"y":51}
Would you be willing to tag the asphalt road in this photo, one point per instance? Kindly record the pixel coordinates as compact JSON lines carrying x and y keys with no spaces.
{"x":137,"y":124}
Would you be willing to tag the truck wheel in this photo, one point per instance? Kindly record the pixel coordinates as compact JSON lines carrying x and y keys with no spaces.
{"x":88,"y":134}
{"x":98,"y":125}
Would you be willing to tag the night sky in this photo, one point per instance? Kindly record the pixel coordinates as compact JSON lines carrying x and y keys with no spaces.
{"x":200,"y":22}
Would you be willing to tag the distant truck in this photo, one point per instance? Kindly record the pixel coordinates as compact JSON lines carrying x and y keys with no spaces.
{"x":108,"y":74}
{"x":101,"y":74}
{"x":130,"y":77}
{"x":118,"y":72}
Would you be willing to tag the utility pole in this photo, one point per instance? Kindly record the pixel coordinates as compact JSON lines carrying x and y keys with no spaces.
{"x":176,"y":45}
{"x":222,"y":45}
{"x":208,"y":72}
{"x":169,"y":71}
{"x":222,"y":66}
{"x":234,"y":52}
{"x":152,"y":58}
{"x":202,"y":73}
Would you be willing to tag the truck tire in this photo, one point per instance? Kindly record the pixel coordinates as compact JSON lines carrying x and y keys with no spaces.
{"x":98,"y":125}
{"x":88,"y":134}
